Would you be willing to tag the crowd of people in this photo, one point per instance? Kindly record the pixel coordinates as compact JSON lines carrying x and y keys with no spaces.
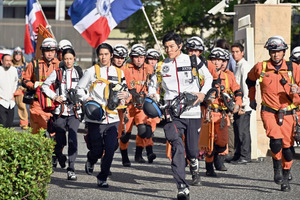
{"x":190,"y":93}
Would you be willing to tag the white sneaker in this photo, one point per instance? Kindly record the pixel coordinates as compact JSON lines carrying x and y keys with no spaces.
{"x":71,"y":176}
{"x":102,"y":184}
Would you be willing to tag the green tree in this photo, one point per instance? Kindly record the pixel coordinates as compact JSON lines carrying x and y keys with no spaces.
{"x":188,"y":18}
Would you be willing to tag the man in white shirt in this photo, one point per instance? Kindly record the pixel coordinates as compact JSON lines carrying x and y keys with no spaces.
{"x":241,"y":122}
{"x":177,"y":77}
{"x":8,"y":85}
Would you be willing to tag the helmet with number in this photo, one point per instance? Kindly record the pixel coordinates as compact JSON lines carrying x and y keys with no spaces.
{"x":151,"y":109}
{"x":49,"y":44}
{"x":93,"y":110}
{"x":195,"y":43}
{"x":153,"y":54}
{"x":219,"y":53}
{"x":137,"y":50}
{"x":120,"y":50}
{"x":276,"y":43}
{"x":64,"y":44}
{"x":295,"y":57}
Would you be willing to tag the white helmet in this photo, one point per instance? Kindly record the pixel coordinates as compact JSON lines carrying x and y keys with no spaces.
{"x":195,"y":43}
{"x":49,"y":44}
{"x":295,"y":57}
{"x":276,"y":43}
{"x":137,"y":50}
{"x":120,"y":50}
{"x":18,"y":50}
{"x":64,"y":44}
{"x":153,"y":54}
{"x":219,"y":53}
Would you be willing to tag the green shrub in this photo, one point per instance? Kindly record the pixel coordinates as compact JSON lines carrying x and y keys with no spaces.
{"x":25,"y":164}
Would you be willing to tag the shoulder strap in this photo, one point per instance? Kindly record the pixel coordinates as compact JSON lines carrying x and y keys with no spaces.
{"x":97,"y":71}
{"x":195,"y":69}
{"x":58,"y":80}
{"x":204,"y":61}
{"x":119,"y":73}
{"x":290,"y":71}
{"x":263,"y":71}
{"x":79,"y":71}
{"x":35,"y":65}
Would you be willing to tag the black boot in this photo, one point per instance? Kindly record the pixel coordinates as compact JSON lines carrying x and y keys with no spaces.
{"x":150,"y":155}
{"x":278,"y":179}
{"x":210,"y":169}
{"x":285,"y":187}
{"x":194,"y":169}
{"x":138,"y":155}
{"x":125,"y":159}
{"x":219,"y":162}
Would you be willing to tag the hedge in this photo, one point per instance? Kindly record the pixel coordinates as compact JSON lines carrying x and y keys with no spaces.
{"x":25,"y":164}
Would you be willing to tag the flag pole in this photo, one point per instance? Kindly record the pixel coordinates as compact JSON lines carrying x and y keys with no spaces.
{"x":145,"y":14}
{"x":48,"y":25}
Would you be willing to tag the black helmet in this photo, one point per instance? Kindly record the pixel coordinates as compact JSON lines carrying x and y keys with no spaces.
{"x":151,"y":109}
{"x":93,"y":110}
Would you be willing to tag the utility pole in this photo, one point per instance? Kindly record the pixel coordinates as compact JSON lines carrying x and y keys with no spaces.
{"x":60,"y":10}
{"x":1,"y":9}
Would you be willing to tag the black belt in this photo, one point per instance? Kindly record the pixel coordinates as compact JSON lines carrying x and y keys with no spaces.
{"x":271,"y":110}
{"x":219,"y":110}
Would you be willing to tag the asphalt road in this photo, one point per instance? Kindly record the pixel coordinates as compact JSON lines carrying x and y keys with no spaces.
{"x":155,"y":181}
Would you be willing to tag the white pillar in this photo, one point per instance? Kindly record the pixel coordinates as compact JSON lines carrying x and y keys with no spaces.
{"x":60,"y":10}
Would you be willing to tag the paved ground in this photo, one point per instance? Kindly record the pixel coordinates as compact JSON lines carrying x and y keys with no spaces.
{"x":155,"y":181}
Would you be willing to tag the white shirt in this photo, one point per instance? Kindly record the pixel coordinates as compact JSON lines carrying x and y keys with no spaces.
{"x":70,"y":79}
{"x":89,"y":77}
{"x":8,"y":85}
{"x":241,"y":73}
{"x":177,"y":77}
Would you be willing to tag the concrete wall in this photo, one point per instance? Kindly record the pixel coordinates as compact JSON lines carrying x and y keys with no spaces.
{"x":267,"y":21}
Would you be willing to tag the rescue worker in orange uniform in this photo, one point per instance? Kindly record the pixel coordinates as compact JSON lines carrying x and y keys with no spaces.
{"x":152,"y":58}
{"x":120,"y":53}
{"x":228,"y":100}
{"x":38,"y":118}
{"x":18,"y":61}
{"x":137,"y":74}
{"x":195,"y":46}
{"x":277,"y":109}
{"x":295,"y":57}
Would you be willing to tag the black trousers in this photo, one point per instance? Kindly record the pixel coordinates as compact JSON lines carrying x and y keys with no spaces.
{"x":6,"y":116}
{"x":174,"y":131}
{"x":102,"y":138}
{"x":242,"y":137}
{"x":61,"y":125}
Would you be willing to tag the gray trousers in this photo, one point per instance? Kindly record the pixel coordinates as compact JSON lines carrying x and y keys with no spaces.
{"x":242,"y":137}
{"x":61,"y":125}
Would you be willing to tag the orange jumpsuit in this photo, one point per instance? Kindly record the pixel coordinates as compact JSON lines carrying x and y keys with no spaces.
{"x":19,"y":94}
{"x":275,"y":96}
{"x":38,"y":118}
{"x":221,"y":134}
{"x":136,"y":78}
